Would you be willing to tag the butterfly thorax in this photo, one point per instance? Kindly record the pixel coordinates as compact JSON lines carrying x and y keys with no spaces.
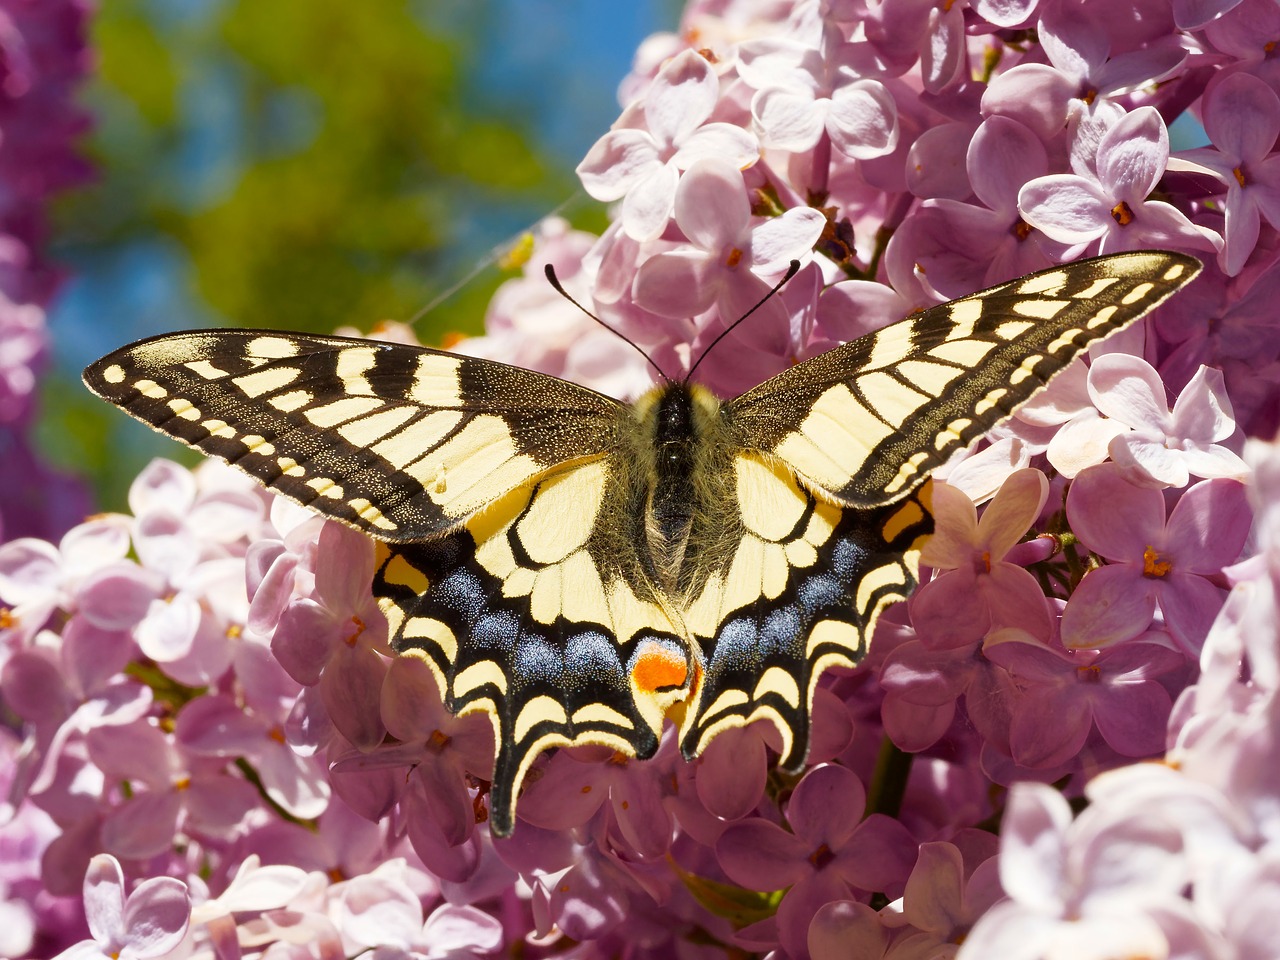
{"x":683,"y":430}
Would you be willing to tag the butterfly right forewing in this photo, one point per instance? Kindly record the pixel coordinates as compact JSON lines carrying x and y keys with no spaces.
{"x":868,"y":421}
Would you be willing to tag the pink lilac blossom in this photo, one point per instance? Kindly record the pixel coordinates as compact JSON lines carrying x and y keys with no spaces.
{"x":977,"y":590}
{"x":805,"y":93}
{"x":1108,"y":203}
{"x":147,"y":923}
{"x":1152,"y":561}
{"x":211,"y":747}
{"x":640,"y":160}
{"x":1242,"y":119}
{"x":44,"y":55}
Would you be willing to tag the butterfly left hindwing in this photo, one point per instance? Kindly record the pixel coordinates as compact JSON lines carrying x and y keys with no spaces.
{"x":575,"y":568}
{"x":539,"y":614}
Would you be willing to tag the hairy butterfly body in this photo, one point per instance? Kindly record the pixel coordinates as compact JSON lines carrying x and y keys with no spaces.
{"x":575,"y":567}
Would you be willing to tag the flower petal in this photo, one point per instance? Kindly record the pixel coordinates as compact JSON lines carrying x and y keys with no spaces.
{"x":616,"y":162}
{"x":677,"y":284}
{"x":1208,"y":526}
{"x":761,"y":856}
{"x":711,"y":207}
{"x":789,"y":119}
{"x":646,"y":209}
{"x":826,"y":805}
{"x":1066,"y":207}
{"x":778,"y":240}
{"x":724,"y":140}
{"x":1132,"y":155}
{"x":1203,"y":411}
{"x":1032,"y":859}
{"x":681,"y":97}
{"x":1015,"y":507}
{"x":104,"y":900}
{"x":1242,"y":117}
{"x":156,"y":917}
{"x":955,"y":529}
{"x":1002,"y":156}
{"x":1130,"y":390}
{"x":863,"y":120}
{"x":1189,"y":604}
{"x":1111,"y":604}
{"x":1113,"y":517}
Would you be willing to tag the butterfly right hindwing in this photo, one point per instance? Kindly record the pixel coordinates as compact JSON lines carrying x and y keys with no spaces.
{"x":799,"y":592}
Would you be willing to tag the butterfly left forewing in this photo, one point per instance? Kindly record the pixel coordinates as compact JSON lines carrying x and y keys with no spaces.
{"x":401,"y":442}
{"x":537,"y":614}
{"x":868,"y":421}
{"x":504,"y":498}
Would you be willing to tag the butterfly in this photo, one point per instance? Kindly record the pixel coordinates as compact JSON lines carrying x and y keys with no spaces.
{"x":577,"y":568}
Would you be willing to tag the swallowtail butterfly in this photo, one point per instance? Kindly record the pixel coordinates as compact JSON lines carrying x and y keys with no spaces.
{"x":576,"y":567}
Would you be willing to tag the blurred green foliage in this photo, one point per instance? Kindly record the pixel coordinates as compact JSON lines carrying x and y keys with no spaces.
{"x":343,"y":227}
{"x":308,"y":164}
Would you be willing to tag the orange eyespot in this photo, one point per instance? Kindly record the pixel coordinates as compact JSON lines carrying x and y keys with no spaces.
{"x":657,"y":667}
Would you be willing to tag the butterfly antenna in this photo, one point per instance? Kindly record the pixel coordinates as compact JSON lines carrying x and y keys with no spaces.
{"x":791,"y":272}
{"x":555,"y":283}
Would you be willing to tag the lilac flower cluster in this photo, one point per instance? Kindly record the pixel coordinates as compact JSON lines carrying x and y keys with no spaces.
{"x":43,"y":57}
{"x":275,"y":783}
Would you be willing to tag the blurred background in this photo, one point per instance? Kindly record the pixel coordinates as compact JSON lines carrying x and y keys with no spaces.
{"x":310,"y":164}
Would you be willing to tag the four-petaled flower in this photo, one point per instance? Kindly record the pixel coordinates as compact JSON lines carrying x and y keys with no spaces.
{"x":829,"y":851}
{"x":1242,"y":119}
{"x":979,"y":589}
{"x":1152,"y":561}
{"x":1109,"y":204}
{"x":149,"y":922}
{"x":640,"y":159}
